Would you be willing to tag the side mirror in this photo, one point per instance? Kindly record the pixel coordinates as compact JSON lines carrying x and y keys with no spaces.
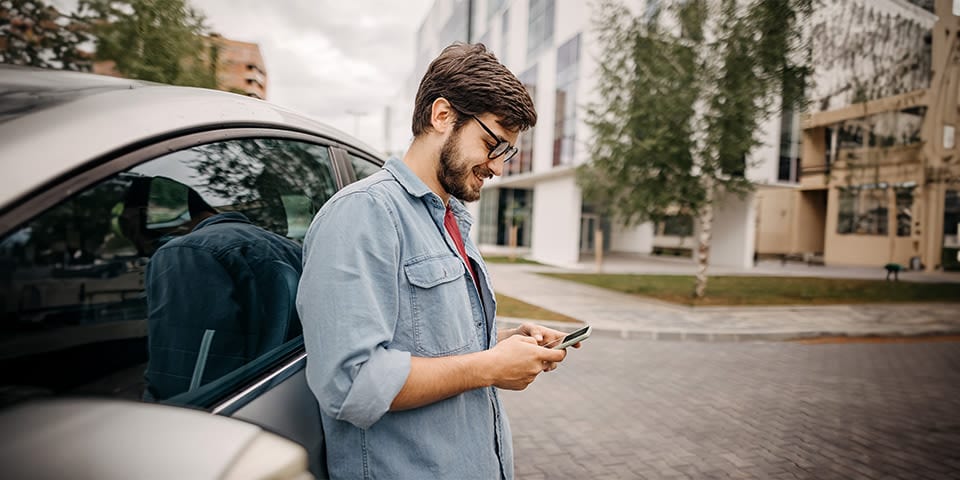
{"x":112,"y":439}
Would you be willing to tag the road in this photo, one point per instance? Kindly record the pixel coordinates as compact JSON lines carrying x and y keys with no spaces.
{"x":640,"y":409}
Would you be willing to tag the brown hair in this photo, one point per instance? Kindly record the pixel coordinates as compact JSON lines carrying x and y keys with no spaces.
{"x":474,"y":82}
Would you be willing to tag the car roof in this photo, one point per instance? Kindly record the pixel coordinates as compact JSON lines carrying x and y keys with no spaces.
{"x":26,"y":90}
{"x":52,"y":122}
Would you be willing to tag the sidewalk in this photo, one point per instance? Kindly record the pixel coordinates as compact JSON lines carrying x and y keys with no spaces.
{"x":629,"y":316}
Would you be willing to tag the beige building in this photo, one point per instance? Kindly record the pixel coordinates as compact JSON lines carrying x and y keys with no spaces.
{"x":879,"y":180}
{"x":240,"y":67}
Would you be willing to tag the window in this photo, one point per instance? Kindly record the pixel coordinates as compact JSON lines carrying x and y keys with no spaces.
{"x":904,"y":195}
{"x":363,"y":167}
{"x":734,"y":166}
{"x":502,"y":209}
{"x":515,"y":207}
{"x":524,"y":160}
{"x":488,"y":226}
{"x":828,"y":150}
{"x":564,"y":132}
{"x":676,"y":225}
{"x":540,"y":27}
{"x":455,"y":29}
{"x":951,"y":218}
{"x":863,"y":210}
{"x":493,"y":6}
{"x":78,"y":286}
{"x":790,"y":145}
{"x":504,"y":36}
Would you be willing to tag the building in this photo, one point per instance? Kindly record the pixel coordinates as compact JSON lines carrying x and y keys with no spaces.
{"x":240,"y":67}
{"x":880,"y":179}
{"x":551,"y":47}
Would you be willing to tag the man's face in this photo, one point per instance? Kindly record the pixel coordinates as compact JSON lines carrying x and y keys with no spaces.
{"x":464,"y":162}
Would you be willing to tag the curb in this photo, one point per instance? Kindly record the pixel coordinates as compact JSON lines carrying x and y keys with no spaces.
{"x":684,"y":336}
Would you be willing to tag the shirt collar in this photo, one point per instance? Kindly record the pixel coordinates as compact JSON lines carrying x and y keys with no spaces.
{"x":407,"y":179}
{"x":224,"y":217}
{"x":415,"y":186}
{"x":460,"y":211}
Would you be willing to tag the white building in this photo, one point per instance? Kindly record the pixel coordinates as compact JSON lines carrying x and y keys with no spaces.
{"x":551,"y":46}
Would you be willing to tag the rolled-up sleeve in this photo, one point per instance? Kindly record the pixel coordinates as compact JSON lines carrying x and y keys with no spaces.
{"x":348,"y":303}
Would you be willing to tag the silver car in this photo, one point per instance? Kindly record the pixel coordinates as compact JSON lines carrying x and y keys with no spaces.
{"x":97,"y":174}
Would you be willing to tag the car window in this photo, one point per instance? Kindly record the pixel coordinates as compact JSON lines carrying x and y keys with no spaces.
{"x":164,"y":278}
{"x":363,"y":167}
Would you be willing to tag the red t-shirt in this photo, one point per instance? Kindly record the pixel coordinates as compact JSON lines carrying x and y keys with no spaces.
{"x":450,"y":222}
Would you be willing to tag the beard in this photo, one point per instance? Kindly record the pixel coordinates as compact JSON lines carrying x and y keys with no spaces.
{"x":455,"y":173}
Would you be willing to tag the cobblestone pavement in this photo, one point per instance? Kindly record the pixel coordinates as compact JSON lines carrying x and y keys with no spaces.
{"x":640,"y":409}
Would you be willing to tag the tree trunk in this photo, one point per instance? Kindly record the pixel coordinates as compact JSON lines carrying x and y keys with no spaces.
{"x":703,"y":242}
{"x":514,"y":229}
{"x":598,"y":248}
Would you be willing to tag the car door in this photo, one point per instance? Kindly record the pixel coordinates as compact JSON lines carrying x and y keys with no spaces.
{"x":75,"y":284}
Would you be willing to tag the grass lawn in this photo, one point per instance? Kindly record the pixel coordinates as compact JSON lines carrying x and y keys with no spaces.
{"x":736,"y":290}
{"x":511,"y":307}
{"x":502,"y":259}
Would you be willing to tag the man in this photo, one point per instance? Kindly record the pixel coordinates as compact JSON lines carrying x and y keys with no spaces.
{"x":217,"y":298}
{"x":397,"y":308}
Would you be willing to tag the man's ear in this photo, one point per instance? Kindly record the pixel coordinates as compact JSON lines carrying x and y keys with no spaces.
{"x":442,"y":115}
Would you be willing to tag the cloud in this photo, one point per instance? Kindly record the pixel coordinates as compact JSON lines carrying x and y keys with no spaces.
{"x":340,"y":61}
{"x":326,"y":58}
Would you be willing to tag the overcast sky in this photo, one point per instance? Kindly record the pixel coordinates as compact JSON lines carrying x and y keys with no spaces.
{"x":328,"y":58}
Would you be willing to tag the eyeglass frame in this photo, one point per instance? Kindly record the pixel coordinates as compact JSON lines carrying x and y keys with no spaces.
{"x":510,"y":151}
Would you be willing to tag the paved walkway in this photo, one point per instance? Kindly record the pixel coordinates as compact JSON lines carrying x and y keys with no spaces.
{"x":630,"y":409}
{"x":630,"y":316}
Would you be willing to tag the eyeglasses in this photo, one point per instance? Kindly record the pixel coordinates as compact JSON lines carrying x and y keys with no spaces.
{"x":502,"y":147}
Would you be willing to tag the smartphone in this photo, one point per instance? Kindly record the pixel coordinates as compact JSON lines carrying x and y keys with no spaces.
{"x":573,"y":338}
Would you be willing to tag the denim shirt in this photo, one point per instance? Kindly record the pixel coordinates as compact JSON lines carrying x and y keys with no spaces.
{"x":382,"y":280}
{"x":225,"y":276}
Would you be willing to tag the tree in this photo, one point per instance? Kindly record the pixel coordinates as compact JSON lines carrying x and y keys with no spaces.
{"x":679,"y":112}
{"x":36,"y":34}
{"x":155,"y":40}
{"x":642,"y":142}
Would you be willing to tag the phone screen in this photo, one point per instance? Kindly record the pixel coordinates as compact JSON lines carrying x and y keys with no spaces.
{"x":570,"y":336}
{"x":575,"y":334}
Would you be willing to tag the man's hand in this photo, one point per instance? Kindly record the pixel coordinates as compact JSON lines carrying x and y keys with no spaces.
{"x":545,"y":337}
{"x":512,"y":364}
{"x":516,"y":361}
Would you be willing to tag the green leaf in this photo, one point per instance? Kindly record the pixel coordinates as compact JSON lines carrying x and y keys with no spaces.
{"x":653,"y":152}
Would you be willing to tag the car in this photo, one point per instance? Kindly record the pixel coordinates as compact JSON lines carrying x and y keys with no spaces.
{"x":96,"y":175}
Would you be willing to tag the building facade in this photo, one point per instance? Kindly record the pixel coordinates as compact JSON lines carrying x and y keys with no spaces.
{"x":553,"y":49}
{"x":240,"y":66}
{"x":879,"y":180}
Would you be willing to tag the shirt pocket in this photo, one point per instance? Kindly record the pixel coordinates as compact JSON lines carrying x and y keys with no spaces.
{"x":442,"y":316}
